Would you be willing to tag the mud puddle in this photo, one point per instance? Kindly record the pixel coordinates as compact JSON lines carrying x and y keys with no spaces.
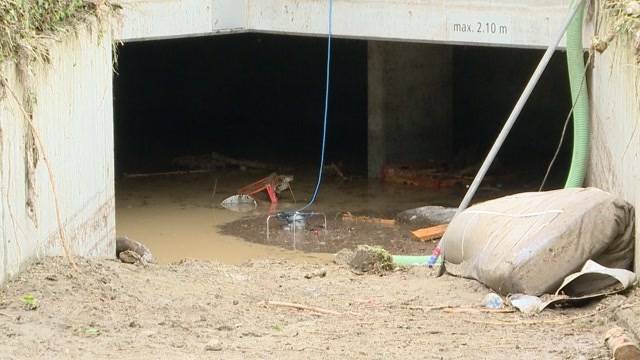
{"x":360,"y":197}
{"x":180,"y":217}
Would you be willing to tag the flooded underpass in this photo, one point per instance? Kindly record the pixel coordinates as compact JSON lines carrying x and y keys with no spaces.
{"x":258,"y":98}
{"x":202,"y":117}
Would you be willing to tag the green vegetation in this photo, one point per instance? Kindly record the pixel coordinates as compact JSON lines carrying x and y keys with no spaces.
{"x":26,"y":25}
{"x":372,"y":259}
{"x":624,"y":18}
{"x":30,"y":302}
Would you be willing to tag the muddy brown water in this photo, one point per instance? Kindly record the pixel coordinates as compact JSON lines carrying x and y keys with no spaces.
{"x":180,"y":217}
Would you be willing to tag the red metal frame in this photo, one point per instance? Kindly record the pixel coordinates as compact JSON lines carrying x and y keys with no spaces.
{"x":267,"y":184}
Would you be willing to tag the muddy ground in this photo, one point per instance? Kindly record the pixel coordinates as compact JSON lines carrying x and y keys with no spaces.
{"x":339,"y":235}
{"x":216,"y":305}
{"x":197,"y":310}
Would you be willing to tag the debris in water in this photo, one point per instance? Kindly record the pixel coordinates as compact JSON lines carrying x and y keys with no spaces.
{"x":273,"y":184}
{"x":427,"y":216}
{"x":424,"y":178}
{"x":293,"y":220}
{"x":240,"y":203}
{"x":298,"y":220}
{"x":218,"y":161}
{"x":369,"y":220}
{"x":334,"y":169}
{"x":164,"y":173}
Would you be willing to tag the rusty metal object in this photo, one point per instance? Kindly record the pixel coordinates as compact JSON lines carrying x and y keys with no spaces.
{"x":425,"y":178}
{"x":621,"y":345}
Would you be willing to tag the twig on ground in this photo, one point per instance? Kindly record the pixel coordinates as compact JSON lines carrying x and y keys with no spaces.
{"x":536,"y":322}
{"x":460,"y":309}
{"x":470,"y":310}
{"x":627,"y":306}
{"x":427,"y":308}
{"x":302,"y":307}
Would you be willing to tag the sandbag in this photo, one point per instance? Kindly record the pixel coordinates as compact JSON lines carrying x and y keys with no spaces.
{"x":528,"y":243}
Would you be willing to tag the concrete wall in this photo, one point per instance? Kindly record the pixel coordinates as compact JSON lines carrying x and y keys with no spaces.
{"x":410,"y":91}
{"x":513,"y":23}
{"x":520,"y":23}
{"x":165,"y":19}
{"x":615,"y":130}
{"x":74,"y":119}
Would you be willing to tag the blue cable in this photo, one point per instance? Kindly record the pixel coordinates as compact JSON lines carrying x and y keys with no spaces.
{"x":326,"y":111}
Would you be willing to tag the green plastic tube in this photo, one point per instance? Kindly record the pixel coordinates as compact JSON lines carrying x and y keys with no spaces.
{"x":579,"y":96}
{"x":402,"y":260}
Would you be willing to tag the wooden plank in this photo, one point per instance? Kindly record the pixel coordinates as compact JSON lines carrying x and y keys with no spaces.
{"x":365,"y":219}
{"x":430,"y":233}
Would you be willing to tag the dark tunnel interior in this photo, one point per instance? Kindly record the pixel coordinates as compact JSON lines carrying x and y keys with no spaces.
{"x":260,"y":97}
{"x":487,"y":84}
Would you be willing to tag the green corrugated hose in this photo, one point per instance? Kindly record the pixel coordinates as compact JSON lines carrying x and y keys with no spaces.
{"x":404,"y":260}
{"x":579,"y":96}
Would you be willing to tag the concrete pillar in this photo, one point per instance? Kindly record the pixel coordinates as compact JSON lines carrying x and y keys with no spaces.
{"x":375,"y":93}
{"x":410,"y":89}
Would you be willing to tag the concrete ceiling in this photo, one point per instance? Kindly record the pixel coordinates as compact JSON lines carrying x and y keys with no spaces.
{"x":511,"y":23}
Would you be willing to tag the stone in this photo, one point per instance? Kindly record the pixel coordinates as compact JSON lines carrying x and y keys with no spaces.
{"x":213,"y":345}
{"x":343,"y":257}
{"x":318,"y":273}
{"x":129,"y":257}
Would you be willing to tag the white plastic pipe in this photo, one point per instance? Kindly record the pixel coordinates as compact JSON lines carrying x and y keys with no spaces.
{"x":516,"y":111}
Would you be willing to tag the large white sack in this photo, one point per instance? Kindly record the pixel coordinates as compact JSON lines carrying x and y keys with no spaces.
{"x":528,"y":243}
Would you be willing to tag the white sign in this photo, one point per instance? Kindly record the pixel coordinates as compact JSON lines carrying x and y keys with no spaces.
{"x":479,"y":28}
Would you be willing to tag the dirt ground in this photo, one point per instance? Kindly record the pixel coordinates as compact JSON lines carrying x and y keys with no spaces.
{"x":223,"y":304}
{"x":197,"y":309}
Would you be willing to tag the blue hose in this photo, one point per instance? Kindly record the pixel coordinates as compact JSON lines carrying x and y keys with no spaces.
{"x":326,"y":111}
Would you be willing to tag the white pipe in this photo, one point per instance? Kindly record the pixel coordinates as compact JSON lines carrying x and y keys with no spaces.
{"x":516,"y":112}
